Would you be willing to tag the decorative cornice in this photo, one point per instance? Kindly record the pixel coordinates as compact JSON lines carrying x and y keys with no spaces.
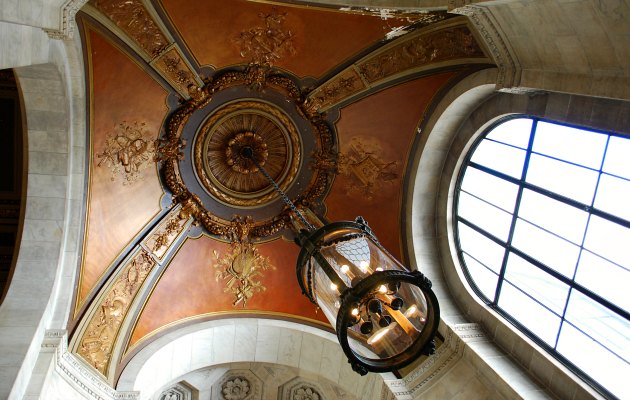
{"x":66,"y":28}
{"x":488,"y":29}
{"x":76,"y":373}
{"x":436,"y":365}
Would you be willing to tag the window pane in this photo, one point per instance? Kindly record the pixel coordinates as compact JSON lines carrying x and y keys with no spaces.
{"x":485,"y":279}
{"x":542,"y":322}
{"x":613,"y":195}
{"x":490,"y":188}
{"x":500,"y":158}
{"x":554,"y":252}
{"x":600,"y":323}
{"x":480,"y":247}
{"x":514,"y":131}
{"x":484,"y":215}
{"x":604,"y":278}
{"x":590,"y":357}
{"x":566,"y":236}
{"x":554,"y":216}
{"x":608,"y":240}
{"x":617,"y":161}
{"x":537,"y":283}
{"x":565,"y":179}
{"x":587,"y":148}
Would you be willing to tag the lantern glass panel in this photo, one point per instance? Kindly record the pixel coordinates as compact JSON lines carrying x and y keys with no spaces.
{"x":390,"y":317}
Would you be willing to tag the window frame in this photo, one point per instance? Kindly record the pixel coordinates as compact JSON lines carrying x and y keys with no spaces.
{"x":508,"y":248}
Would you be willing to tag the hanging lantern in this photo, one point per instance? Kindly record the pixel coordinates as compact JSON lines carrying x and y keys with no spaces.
{"x":385,"y":316}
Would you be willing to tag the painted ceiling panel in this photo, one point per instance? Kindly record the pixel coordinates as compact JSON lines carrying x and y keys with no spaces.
{"x":195,"y":285}
{"x":127,"y":110}
{"x":218,"y":249}
{"x":212,"y":29}
{"x":375,"y":137}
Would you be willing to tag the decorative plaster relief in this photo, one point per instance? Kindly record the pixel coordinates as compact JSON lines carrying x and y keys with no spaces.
{"x":163,"y":237}
{"x":237,"y":385}
{"x":363,"y":164}
{"x":172,"y":65}
{"x":264,"y":45}
{"x":132,"y":17}
{"x":305,"y":393}
{"x":239,"y":269}
{"x":410,"y":52}
{"x":301,"y":389}
{"x":98,"y":340}
{"x":128,"y":151}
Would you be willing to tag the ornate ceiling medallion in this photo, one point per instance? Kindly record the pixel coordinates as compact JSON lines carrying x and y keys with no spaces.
{"x":276,"y":124}
{"x":222,"y":170}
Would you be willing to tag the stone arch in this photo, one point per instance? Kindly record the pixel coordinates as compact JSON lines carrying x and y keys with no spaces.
{"x":40,"y":293}
{"x":463,"y":114}
{"x":213,"y":343}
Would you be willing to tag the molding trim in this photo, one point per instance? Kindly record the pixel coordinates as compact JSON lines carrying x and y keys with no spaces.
{"x":66,"y":23}
{"x":446,"y":356}
{"x":489,"y":31}
{"x":76,"y":373}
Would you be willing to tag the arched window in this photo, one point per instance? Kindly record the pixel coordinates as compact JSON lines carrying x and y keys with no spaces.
{"x":542,"y":222}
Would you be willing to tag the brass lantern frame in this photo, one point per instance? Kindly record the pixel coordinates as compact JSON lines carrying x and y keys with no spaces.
{"x":312,"y":242}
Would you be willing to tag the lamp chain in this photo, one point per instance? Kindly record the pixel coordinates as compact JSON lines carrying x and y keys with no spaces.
{"x":249,"y":154}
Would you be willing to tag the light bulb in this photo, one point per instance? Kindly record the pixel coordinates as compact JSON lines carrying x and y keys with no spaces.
{"x":333,"y":286}
{"x":345,"y":269}
{"x":378,"y":335}
{"x":364,"y":266}
{"x":382,"y":289}
{"x":379,"y":268}
{"x":411,"y":311}
{"x":355,"y":311}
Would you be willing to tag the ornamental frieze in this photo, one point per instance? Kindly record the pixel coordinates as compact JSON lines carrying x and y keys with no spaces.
{"x":172,"y":66}
{"x":433,"y":47}
{"x":132,"y":17}
{"x":404,"y":55}
{"x":98,"y":340}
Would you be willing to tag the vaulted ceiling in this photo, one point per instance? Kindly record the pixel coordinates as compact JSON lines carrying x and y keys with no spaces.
{"x":179,"y":228}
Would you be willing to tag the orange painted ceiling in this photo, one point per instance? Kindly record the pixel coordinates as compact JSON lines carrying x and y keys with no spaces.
{"x":124,"y":93}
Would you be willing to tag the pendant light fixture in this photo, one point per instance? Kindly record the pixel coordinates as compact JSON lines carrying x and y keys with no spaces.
{"x":385,"y":315}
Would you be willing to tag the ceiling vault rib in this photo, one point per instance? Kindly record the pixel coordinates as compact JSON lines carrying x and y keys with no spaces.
{"x":443,"y":44}
{"x":102,"y":334}
{"x":139,"y":25}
